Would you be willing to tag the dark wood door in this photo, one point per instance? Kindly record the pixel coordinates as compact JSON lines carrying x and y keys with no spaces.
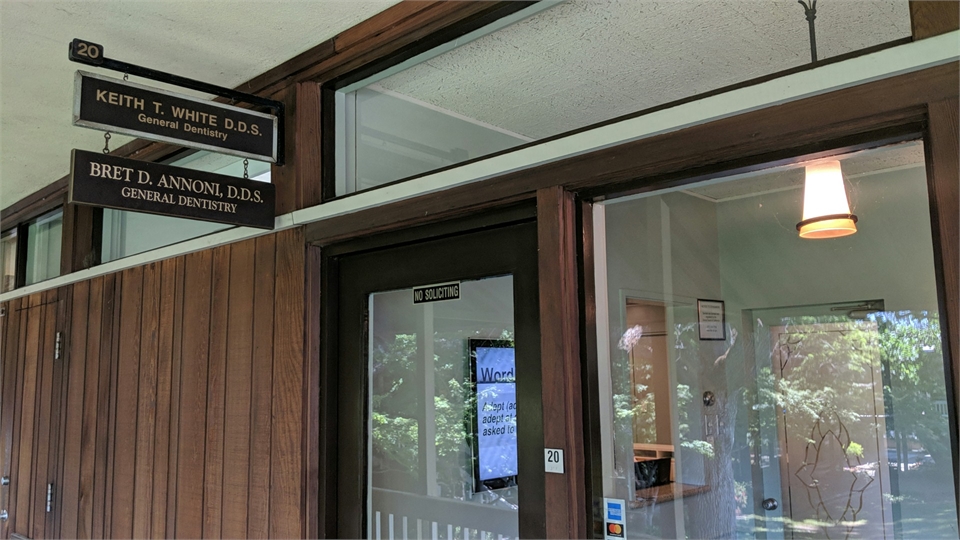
{"x":29,"y":413}
{"x":478,"y":259}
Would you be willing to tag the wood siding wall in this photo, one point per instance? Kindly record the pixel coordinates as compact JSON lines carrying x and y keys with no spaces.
{"x":175,"y":409}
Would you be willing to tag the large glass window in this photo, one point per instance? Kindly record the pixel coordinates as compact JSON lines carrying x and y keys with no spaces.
{"x":8,"y":260}
{"x":128,"y":233}
{"x":560,"y":66}
{"x":44,"y":236}
{"x":771,"y":361}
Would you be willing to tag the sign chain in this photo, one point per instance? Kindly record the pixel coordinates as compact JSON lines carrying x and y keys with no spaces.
{"x":246,"y":175}
{"x":106,"y":143}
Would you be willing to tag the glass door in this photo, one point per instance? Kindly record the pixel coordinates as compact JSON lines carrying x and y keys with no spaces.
{"x":440,"y":406}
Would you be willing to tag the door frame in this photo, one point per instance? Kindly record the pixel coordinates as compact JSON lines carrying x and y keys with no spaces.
{"x":491,"y":243}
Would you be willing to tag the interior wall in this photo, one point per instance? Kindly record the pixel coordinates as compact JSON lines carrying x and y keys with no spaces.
{"x":177,"y":407}
{"x":764,"y":263}
{"x":662,"y":249}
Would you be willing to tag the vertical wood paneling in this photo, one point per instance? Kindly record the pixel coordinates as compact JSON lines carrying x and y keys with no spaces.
{"x":236,"y":452}
{"x":125,"y":430}
{"x":73,"y":411}
{"x":91,"y":400}
{"x":60,"y":383}
{"x":30,"y":352}
{"x":259,"y":512}
{"x":101,"y":485}
{"x":176,"y":364}
{"x":44,"y":429}
{"x":177,"y":411}
{"x":8,"y":403}
{"x":18,"y":352}
{"x":213,"y":470}
{"x":165,"y":347}
{"x":113,"y":398}
{"x":193,"y":395}
{"x":146,"y":403}
{"x":287,"y":385}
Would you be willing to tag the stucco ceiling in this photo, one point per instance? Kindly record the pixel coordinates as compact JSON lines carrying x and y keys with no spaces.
{"x":580,"y":62}
{"x":222,"y":42}
{"x":585,"y":61}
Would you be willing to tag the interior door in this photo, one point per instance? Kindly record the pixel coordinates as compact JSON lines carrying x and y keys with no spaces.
{"x":440,"y":429}
{"x":826,"y":472}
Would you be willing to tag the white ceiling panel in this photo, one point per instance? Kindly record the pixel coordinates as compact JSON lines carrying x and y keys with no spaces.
{"x":586,"y":61}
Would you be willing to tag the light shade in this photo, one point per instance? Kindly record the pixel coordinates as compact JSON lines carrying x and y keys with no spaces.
{"x":826,"y":212}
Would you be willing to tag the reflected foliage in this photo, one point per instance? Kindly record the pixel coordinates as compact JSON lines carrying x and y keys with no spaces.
{"x":397,"y":412}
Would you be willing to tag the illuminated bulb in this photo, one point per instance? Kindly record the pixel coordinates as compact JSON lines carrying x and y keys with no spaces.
{"x":826,"y":213}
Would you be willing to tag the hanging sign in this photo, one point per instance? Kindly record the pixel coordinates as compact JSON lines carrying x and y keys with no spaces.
{"x":134,"y":109}
{"x":127,"y":184}
{"x":436,"y":293}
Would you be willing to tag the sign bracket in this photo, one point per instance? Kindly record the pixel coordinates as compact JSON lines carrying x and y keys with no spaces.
{"x":89,"y":53}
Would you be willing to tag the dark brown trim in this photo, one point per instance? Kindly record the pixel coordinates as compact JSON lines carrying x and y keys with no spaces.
{"x":327,"y":508}
{"x":82,"y":238}
{"x":310,"y":438}
{"x":34,"y":205}
{"x":930,"y":18}
{"x":308,"y":155}
{"x":328,"y":143}
{"x":943,"y":177}
{"x":20,"y":277}
{"x":566,"y":509}
{"x":467,"y":221}
{"x":590,"y":385}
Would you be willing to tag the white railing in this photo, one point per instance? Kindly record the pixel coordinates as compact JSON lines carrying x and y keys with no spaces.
{"x":405,"y":516}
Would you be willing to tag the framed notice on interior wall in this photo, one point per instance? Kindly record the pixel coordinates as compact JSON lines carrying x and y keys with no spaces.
{"x":712,"y":319}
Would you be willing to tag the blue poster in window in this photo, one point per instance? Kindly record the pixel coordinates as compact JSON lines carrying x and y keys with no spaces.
{"x":494,"y":369}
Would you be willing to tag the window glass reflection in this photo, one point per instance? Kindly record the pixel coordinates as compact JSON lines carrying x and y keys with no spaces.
{"x":44,"y":236}
{"x":8,"y":260}
{"x":821,"y":413}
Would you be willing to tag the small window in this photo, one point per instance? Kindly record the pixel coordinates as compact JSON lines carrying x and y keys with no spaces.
{"x":8,"y":260}
{"x":128,"y":233}
{"x":44,"y":236}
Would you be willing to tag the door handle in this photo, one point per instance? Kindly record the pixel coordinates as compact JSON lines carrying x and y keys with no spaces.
{"x":4,"y":480}
{"x":770,"y":504}
{"x":3,"y":515}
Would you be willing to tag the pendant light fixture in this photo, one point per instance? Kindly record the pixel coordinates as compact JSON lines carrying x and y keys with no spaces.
{"x":826,"y":212}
